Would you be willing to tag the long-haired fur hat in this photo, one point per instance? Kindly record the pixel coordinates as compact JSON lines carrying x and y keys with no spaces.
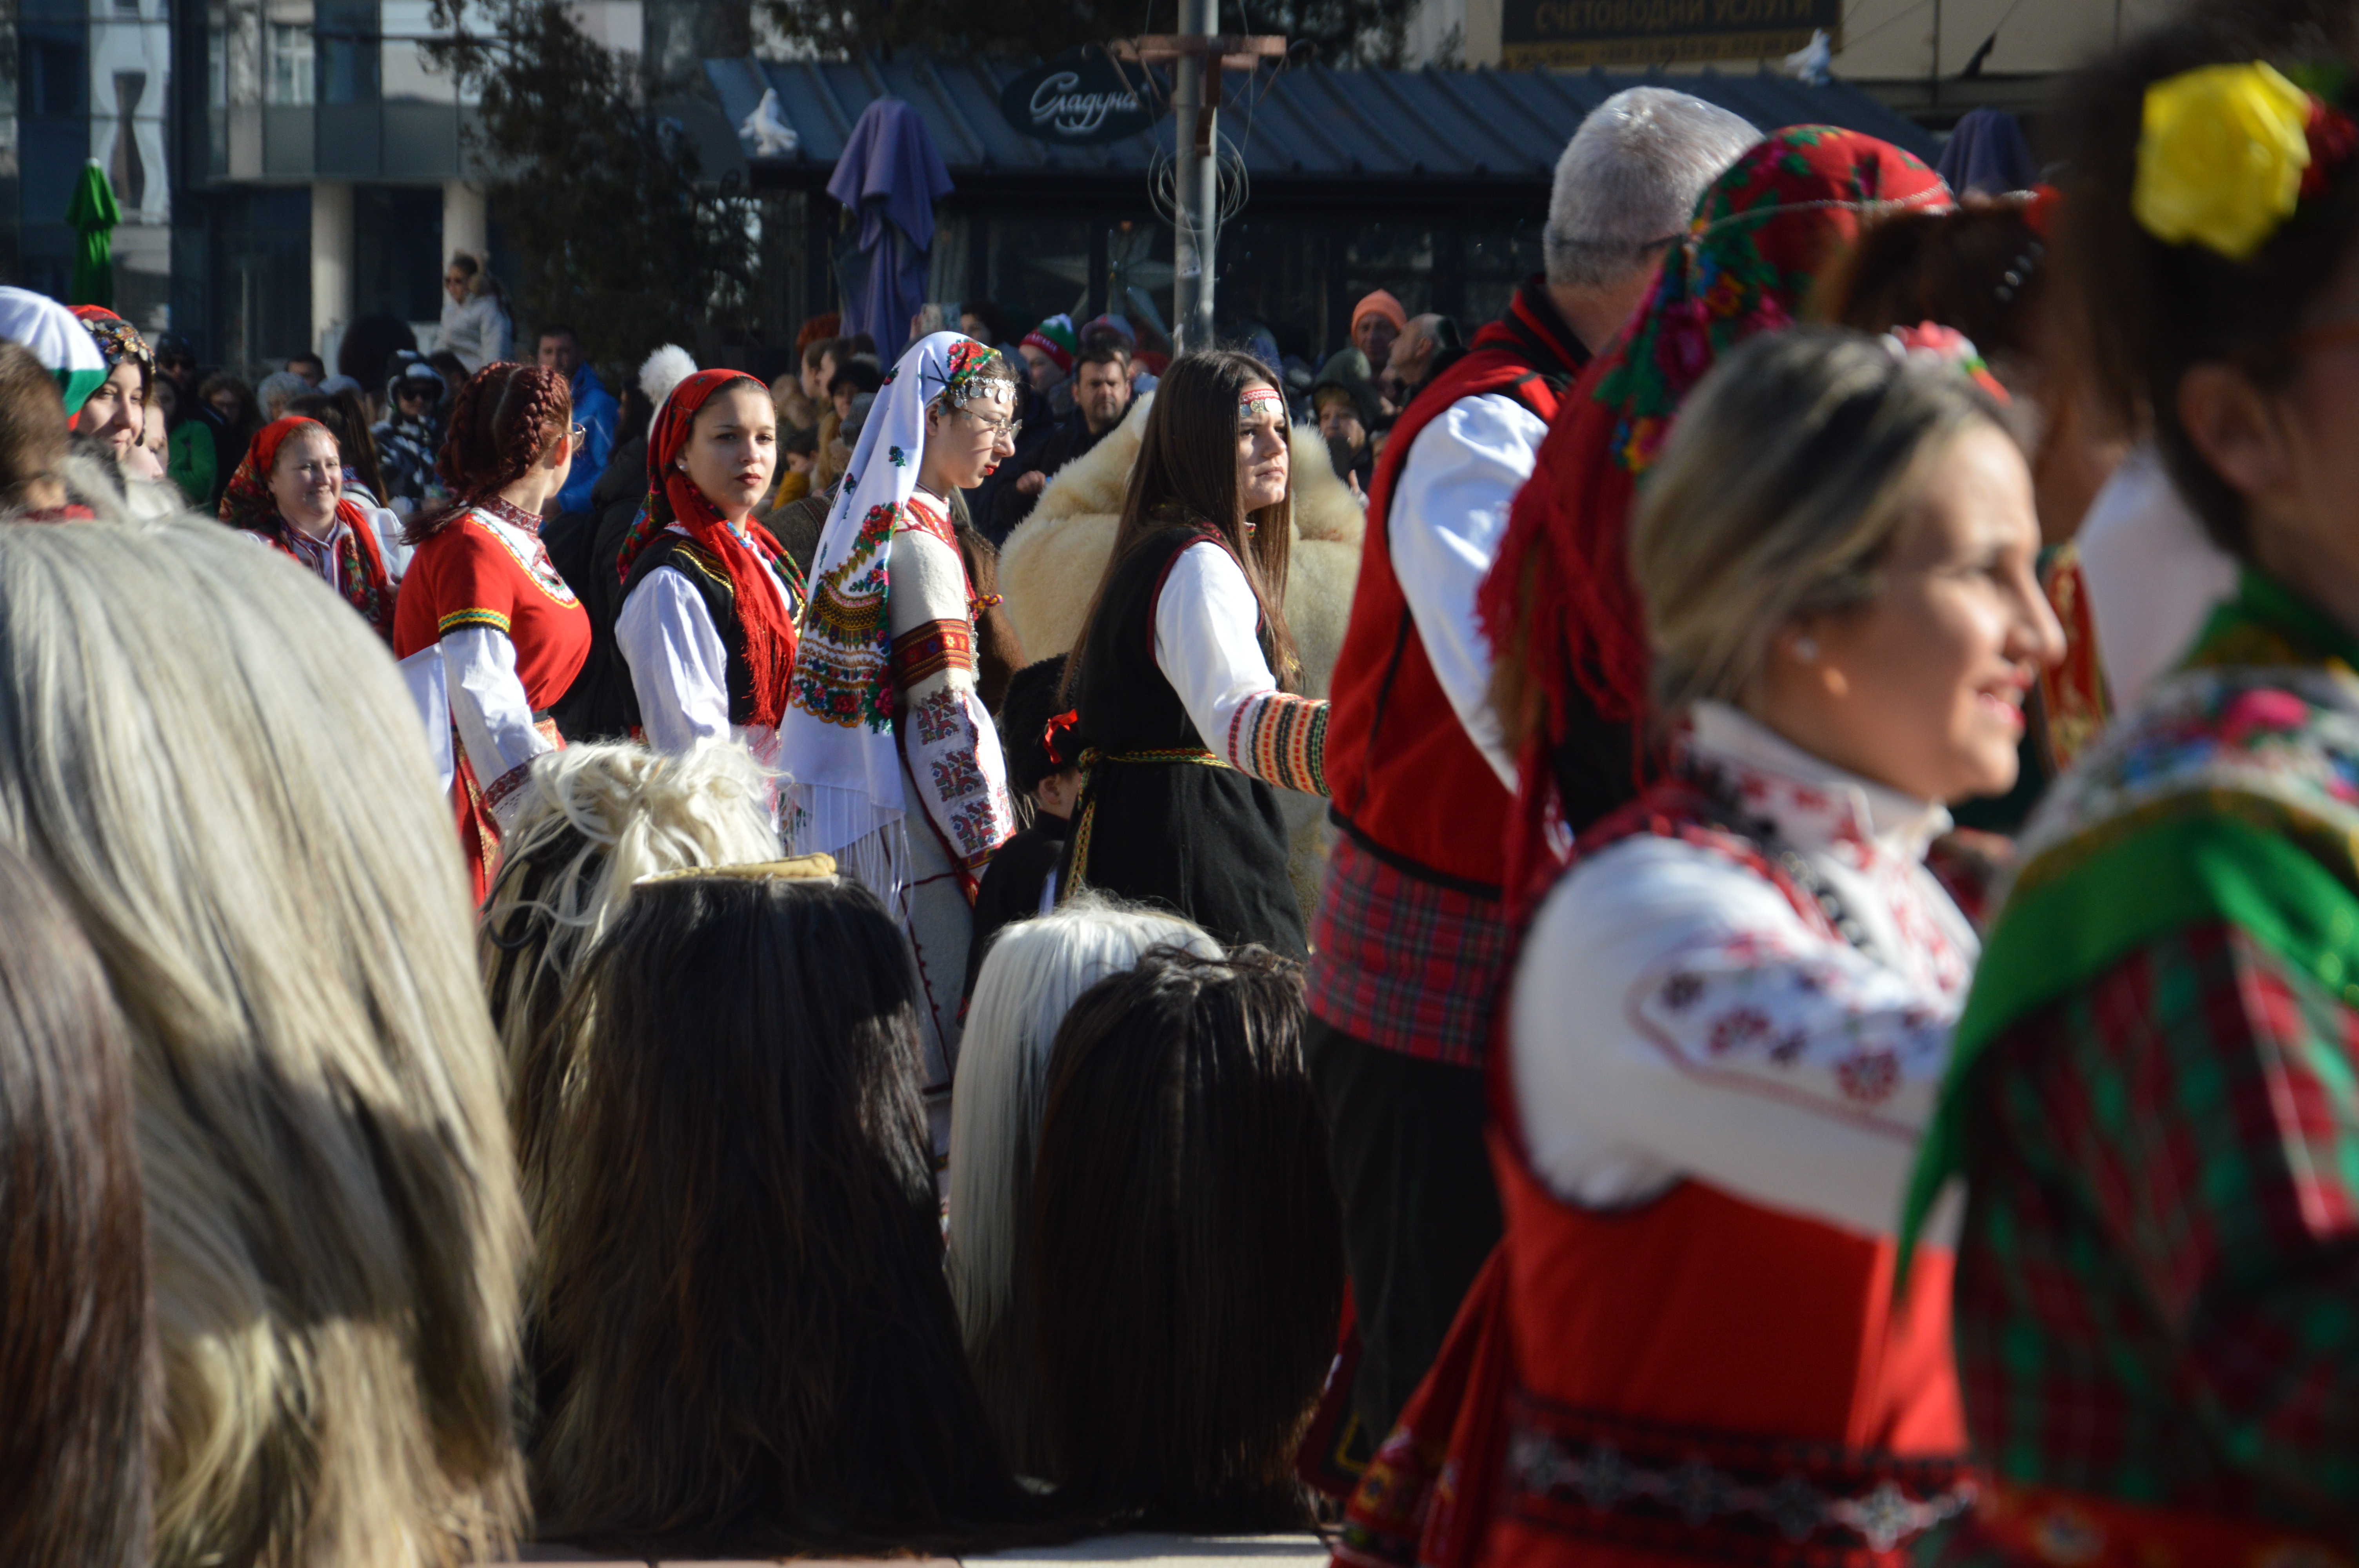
{"x":264,"y":864}
{"x":595,"y":820}
{"x":754,"y":1345}
{"x":77,"y":1362}
{"x":1034,"y":972}
{"x":1186,"y":1259}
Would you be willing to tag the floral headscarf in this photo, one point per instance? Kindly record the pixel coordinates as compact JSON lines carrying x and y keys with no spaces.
{"x":672,"y":497}
{"x":248,"y":504}
{"x":837,"y":739}
{"x":118,"y":340}
{"x":1560,"y":587}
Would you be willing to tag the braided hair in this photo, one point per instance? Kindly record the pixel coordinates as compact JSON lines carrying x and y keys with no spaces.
{"x":505,"y":418}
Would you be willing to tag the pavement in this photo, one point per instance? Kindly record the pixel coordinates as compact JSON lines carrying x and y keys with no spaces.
{"x":1139,"y":1550}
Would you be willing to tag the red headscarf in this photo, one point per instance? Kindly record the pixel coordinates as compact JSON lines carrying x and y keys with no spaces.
{"x":247,"y":503}
{"x":1561,"y":589}
{"x":672,"y":497}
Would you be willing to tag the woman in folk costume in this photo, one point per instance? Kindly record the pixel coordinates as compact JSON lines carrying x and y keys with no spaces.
{"x":707,"y":624}
{"x":1569,"y":683}
{"x":2154,"y":1102}
{"x":506,"y":634}
{"x":1184,"y":669}
{"x":288,"y":492}
{"x":1729,"y":1021}
{"x":885,"y":722}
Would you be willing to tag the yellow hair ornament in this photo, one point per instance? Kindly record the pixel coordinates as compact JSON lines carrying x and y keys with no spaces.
{"x":2220,"y":157}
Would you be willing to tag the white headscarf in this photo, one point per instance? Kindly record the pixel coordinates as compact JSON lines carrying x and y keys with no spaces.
{"x":836,"y":743}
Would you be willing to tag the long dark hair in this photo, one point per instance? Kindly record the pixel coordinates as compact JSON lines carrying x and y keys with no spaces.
{"x":505,"y":418}
{"x":2146,"y":312}
{"x":751,"y":1346}
{"x":1187,"y":471}
{"x":77,"y":1359}
{"x":1186,"y":1251}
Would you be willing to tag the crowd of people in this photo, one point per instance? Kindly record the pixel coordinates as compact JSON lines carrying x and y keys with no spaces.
{"x":1713,"y":923}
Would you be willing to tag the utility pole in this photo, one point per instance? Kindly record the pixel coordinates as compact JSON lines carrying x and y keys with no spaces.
{"x":1196,"y":204}
{"x":1197,"y":56}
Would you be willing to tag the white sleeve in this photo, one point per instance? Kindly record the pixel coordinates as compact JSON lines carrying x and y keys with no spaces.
{"x":1448,"y":517}
{"x":1673,"y":1016}
{"x":679,"y":668}
{"x":1204,"y":641}
{"x":493,"y":715}
{"x":1205,"y":646}
{"x":948,"y":739}
{"x":386,"y":526}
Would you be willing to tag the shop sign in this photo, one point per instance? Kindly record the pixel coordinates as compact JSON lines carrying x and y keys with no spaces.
{"x":1582,"y":33}
{"x":1077,"y":100}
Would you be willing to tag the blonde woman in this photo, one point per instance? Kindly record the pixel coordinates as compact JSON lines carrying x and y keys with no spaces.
{"x":1729,"y":1021}
{"x":264,"y":865}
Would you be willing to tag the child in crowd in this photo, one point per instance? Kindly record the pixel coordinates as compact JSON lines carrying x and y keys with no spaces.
{"x":1043,"y":766}
{"x":797,"y":453}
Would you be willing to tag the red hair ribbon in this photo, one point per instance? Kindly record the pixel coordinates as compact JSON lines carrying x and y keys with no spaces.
{"x":1056,"y":739}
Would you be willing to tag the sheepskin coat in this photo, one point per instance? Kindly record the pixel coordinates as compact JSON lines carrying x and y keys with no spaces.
{"x":1050,"y":567}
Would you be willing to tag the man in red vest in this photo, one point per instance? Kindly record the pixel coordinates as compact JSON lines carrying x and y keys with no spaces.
{"x":1410,"y":944}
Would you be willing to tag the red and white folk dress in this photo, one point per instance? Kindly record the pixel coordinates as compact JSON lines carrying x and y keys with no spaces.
{"x":1727,"y":1028}
{"x":512,"y":637}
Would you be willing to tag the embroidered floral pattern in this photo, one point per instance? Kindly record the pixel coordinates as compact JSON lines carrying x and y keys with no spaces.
{"x":936,"y":717}
{"x":846,"y":642}
{"x":2286,"y":738}
{"x":957,"y":774}
{"x":969,"y":363}
{"x":1781,"y":1004}
{"x":1731,"y":276}
{"x":980,"y":831}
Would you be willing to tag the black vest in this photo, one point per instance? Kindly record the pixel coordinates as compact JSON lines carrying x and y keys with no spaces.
{"x":704,"y":573}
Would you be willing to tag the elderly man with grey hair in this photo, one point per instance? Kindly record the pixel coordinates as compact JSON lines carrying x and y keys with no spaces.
{"x":1410,"y":942}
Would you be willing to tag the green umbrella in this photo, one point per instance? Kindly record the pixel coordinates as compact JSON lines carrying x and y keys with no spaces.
{"x":93,"y":214}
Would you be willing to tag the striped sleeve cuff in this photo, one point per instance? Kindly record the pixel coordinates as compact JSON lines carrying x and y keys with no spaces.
{"x":460,"y":619}
{"x":1282,"y":741}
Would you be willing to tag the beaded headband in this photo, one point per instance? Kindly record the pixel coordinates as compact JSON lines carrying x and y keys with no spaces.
{"x":970,"y":378}
{"x":1259,"y":399}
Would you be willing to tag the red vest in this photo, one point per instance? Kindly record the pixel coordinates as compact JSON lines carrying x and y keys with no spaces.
{"x":1708,"y":1344}
{"x":1404,"y":777}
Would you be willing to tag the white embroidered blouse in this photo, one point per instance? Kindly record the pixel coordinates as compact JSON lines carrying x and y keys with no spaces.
{"x":1675,"y":1016}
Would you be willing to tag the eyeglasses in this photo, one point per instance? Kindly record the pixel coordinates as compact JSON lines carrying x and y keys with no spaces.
{"x":1011,"y":429}
{"x":578,"y":435}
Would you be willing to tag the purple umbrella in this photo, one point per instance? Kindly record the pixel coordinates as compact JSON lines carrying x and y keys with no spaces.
{"x":890,"y":177}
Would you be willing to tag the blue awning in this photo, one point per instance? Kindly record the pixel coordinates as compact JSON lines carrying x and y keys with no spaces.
{"x":1306,"y":129}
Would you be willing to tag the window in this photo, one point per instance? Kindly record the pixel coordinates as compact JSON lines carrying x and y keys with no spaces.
{"x":53,"y":64}
{"x":286,"y":64}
